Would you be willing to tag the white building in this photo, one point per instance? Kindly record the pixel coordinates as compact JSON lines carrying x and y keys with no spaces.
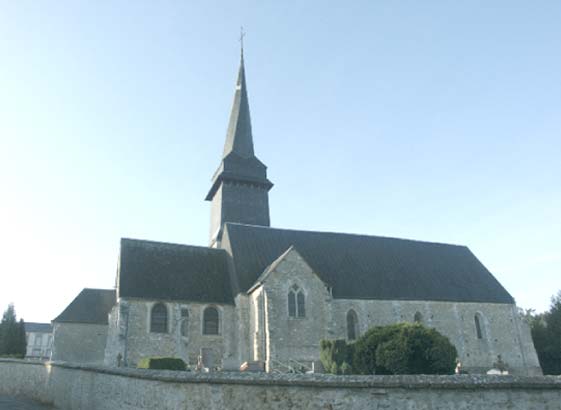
{"x":39,"y":338}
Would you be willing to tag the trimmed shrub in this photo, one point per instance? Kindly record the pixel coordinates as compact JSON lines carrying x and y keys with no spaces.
{"x":162,"y":363}
{"x":12,"y":356}
{"x":364,"y":356}
{"x":336,"y":356}
{"x":404,"y":348}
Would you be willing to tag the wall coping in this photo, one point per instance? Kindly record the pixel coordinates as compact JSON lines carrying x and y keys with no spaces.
{"x":457,"y":382}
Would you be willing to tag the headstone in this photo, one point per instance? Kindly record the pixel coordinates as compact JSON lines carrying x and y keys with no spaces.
{"x":256,"y":366}
{"x":208,"y":358}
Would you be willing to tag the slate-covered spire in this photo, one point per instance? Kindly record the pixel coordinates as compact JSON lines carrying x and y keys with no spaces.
{"x":240,"y":189}
{"x":239,"y":138}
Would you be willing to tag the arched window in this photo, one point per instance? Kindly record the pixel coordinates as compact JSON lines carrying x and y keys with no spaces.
{"x":184,"y":322}
{"x":301,"y":304}
{"x":418,"y":318}
{"x":210,"y":321}
{"x":296,"y":302}
{"x":159,"y":318}
{"x":352,"y":325}
{"x":478,"y":329}
{"x":291,"y":304}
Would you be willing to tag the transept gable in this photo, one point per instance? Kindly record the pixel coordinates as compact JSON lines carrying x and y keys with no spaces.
{"x":290,"y":265}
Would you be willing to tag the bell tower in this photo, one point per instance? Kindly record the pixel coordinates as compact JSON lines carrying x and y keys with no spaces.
{"x":240,"y":188}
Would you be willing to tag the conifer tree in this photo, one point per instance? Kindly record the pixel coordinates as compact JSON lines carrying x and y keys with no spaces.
{"x":12,"y":334}
{"x":546,"y":332}
{"x":21,"y":345}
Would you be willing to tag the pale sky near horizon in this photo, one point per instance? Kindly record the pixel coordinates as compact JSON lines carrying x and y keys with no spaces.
{"x":434,"y":120}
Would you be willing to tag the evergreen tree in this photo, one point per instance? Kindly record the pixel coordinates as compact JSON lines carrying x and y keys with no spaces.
{"x":12,"y":334}
{"x":21,"y":345}
{"x":546,"y":332}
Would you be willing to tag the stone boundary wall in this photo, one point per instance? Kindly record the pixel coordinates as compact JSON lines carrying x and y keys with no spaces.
{"x":85,"y":387}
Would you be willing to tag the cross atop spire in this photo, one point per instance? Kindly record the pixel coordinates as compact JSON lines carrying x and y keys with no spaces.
{"x":242,"y":35}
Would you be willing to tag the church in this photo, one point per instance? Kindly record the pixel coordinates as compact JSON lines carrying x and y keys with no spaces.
{"x":268,"y":296}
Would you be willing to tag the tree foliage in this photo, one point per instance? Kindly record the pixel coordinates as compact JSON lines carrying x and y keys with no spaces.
{"x":336,"y":356}
{"x":546,"y":333}
{"x":402,"y":348}
{"x":12,"y":334}
{"x":365,"y":351}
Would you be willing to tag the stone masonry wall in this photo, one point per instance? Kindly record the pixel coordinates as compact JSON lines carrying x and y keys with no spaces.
{"x":503,"y":331}
{"x":130,"y":333}
{"x":285,"y":339}
{"x":79,"y":342}
{"x":85,"y":387}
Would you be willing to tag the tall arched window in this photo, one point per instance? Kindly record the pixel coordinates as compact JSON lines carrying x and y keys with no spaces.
{"x":418,"y":318}
{"x":291,"y":304}
{"x":159,"y":318}
{"x":210,"y":321}
{"x":296,"y":302}
{"x":352,"y":325}
{"x":301,"y":304}
{"x":184,"y":322}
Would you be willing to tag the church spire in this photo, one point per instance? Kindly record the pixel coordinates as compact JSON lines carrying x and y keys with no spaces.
{"x":240,"y":189}
{"x":239,"y":138}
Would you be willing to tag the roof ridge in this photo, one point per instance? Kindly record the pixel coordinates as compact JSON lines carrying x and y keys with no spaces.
{"x":348,"y":234}
{"x":173,"y":244}
{"x":97,"y":289}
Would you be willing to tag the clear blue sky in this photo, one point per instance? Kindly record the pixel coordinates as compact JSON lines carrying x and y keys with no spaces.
{"x":431,"y":120}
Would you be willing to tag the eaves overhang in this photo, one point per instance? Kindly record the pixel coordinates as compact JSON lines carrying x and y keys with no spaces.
{"x":231,"y":177}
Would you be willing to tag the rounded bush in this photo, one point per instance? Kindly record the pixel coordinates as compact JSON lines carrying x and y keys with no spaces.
{"x":404,"y":348}
{"x":364,"y":352}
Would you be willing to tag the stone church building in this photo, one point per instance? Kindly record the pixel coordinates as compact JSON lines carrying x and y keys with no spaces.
{"x":270,"y":295}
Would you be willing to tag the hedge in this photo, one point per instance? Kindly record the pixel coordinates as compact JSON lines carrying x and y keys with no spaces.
{"x":162,"y":363}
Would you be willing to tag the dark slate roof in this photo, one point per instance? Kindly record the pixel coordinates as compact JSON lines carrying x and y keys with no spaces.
{"x":239,"y":162}
{"x":157,"y":270}
{"x":237,"y":168}
{"x":90,"y":306}
{"x":368,"y":267}
{"x":239,"y":138}
{"x":38,"y":327}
